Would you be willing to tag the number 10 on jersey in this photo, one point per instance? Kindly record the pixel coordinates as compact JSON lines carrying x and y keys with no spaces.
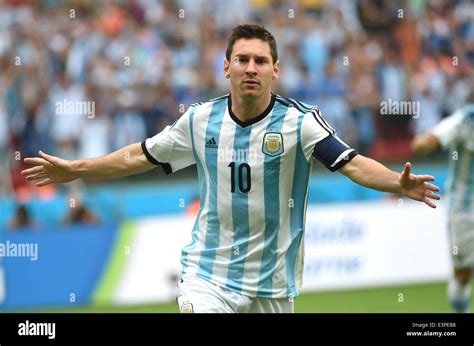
{"x":245,"y":183}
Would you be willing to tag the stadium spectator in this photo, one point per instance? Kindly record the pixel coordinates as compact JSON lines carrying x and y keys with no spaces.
{"x":22,"y":219}
{"x":81,"y":215}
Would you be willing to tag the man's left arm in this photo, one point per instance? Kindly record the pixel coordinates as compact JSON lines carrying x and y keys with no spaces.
{"x":372,"y":174}
{"x":320,"y":141}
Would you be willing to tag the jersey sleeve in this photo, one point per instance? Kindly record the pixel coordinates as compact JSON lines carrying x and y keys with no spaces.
{"x":449,"y":128}
{"x":319,"y":140}
{"x":172,"y":147}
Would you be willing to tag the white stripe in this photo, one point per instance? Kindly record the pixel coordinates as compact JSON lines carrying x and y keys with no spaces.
{"x":201,"y":118}
{"x":300,"y":260}
{"x":287,"y":172}
{"x":224,"y":200}
{"x":256,"y":203}
{"x":341,"y":157}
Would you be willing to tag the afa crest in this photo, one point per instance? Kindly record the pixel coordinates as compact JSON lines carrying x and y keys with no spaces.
{"x":273,"y":143}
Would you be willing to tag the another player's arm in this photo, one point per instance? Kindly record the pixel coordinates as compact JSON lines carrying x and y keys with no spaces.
{"x":372,"y":174}
{"x":441,"y":136}
{"x":425,"y":144}
{"x":49,"y":169}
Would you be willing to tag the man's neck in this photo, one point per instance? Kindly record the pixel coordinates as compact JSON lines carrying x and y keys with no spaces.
{"x":246,"y":109}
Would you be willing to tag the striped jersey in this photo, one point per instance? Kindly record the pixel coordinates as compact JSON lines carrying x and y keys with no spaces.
{"x":253,"y":179}
{"x":456,"y":132}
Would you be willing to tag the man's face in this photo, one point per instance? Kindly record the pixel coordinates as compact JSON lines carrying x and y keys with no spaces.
{"x":251,"y":68}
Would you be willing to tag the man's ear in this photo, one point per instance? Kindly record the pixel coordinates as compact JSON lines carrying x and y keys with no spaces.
{"x":226,"y":68}
{"x":276,"y":70}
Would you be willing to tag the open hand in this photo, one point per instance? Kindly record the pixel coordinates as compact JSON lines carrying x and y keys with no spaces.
{"x":417,"y":187}
{"x":48,"y":170}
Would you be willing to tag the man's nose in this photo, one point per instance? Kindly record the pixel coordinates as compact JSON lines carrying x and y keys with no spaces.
{"x":251,"y":67}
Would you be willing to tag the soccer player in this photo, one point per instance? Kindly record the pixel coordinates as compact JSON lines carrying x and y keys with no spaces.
{"x":254,"y":151}
{"x":456,"y":132}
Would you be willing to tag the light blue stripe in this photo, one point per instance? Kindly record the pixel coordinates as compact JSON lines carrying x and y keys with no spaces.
{"x":240,"y":214}
{"x":271,"y":183}
{"x":212,"y":241}
{"x":299,"y":195}
{"x":203,"y":192}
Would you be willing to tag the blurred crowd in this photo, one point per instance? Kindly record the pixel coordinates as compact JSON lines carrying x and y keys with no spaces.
{"x":142,"y":62}
{"x":22,"y":219}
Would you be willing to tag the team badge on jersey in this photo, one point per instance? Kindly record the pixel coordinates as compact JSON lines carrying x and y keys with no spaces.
{"x":273,"y":143}
{"x":185,"y":305}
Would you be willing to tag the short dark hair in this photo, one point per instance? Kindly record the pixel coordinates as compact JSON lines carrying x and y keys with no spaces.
{"x":249,"y":31}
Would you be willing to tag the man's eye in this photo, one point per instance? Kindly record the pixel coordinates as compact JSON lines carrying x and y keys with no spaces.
{"x":238,"y":60}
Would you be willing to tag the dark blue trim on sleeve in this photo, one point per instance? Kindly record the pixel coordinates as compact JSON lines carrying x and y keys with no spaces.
{"x":328,"y":150}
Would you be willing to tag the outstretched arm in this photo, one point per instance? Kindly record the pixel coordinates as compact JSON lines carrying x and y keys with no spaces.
{"x":425,"y":144}
{"x":374,"y":175}
{"x":52,"y":170}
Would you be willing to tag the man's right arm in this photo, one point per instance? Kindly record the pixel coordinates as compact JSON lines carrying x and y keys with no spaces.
{"x":49,"y":169}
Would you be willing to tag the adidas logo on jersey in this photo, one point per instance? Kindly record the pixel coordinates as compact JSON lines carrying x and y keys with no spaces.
{"x":211,"y":144}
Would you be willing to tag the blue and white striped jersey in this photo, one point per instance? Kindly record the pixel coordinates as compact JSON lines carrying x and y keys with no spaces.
{"x":253,"y":178}
{"x":456,"y":132}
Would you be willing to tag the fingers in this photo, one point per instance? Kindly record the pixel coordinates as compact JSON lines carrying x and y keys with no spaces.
{"x":44,"y":182}
{"x":35,"y":161}
{"x":426,"y":177}
{"x":47,"y":157}
{"x":37,"y":173}
{"x":429,"y":202}
{"x":34,"y":177}
{"x":431,"y":187}
{"x":34,"y":170}
{"x":407,"y":169}
{"x":432,"y":195}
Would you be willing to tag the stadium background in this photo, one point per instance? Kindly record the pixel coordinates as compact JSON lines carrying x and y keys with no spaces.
{"x":141,"y":63}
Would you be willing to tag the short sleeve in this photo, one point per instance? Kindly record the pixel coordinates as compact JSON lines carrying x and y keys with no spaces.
{"x":172,"y":147}
{"x":449,"y":128}
{"x":319,"y":140}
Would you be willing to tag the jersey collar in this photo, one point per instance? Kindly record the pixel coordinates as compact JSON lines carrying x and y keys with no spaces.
{"x":254,"y":120}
